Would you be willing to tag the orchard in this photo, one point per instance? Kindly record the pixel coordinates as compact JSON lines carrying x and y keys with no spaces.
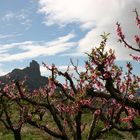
{"x":86,"y":105}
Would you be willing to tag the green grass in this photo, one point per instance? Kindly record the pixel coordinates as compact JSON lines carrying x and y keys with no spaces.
{"x":30,"y":133}
{"x":27,"y":133}
{"x":35,"y":134}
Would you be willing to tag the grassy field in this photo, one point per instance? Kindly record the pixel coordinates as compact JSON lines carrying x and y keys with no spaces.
{"x":31,"y":133}
{"x":28,"y":133}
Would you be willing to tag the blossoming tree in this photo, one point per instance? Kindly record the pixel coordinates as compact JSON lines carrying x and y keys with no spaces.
{"x":88,"y":103}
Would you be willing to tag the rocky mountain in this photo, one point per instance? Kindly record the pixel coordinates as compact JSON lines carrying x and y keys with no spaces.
{"x":34,"y":80}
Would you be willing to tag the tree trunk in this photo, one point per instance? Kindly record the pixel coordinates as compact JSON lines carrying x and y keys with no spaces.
{"x":78,"y":126}
{"x":17,"y":135}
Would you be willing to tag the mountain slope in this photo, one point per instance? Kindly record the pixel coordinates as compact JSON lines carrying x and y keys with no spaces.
{"x":32,"y":74}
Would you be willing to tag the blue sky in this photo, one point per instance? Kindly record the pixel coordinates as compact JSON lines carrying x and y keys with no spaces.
{"x":53,"y":31}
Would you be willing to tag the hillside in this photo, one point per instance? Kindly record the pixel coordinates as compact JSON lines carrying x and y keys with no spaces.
{"x":34,"y":80}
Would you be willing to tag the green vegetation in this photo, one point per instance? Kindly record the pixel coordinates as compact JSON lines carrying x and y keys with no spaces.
{"x":31,"y":133}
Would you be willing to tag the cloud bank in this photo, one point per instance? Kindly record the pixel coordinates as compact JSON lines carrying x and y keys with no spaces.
{"x":32,"y":49}
{"x":96,"y":16}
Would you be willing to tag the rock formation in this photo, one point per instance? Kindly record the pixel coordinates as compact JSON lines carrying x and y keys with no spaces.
{"x":34,"y":80}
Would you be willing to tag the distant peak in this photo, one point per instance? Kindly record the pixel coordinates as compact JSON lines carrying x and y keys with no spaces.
{"x":34,"y":68}
{"x":34,"y":64}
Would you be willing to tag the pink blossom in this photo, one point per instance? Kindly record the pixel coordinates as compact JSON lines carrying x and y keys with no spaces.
{"x":138,"y":21}
{"x":126,"y":119}
{"x":137,"y":58}
{"x":6,"y":88}
{"x":106,"y":75}
{"x":98,"y":112}
{"x":119,"y":31}
{"x":137,"y":39}
{"x":131,"y":96}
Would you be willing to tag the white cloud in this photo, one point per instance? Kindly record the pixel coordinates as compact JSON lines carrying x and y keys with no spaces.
{"x":2,"y":70}
{"x":66,"y":11}
{"x":86,"y":12}
{"x":61,"y":39}
{"x":21,"y":17}
{"x":92,"y":39}
{"x":8,"y":16}
{"x":98,"y":16}
{"x":5,"y":36}
{"x":30,"y":49}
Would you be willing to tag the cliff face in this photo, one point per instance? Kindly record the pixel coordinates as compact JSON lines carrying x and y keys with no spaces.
{"x":33,"y":70}
{"x":32,"y":74}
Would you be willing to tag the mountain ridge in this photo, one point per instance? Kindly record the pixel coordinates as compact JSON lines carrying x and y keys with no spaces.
{"x":32,"y":74}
